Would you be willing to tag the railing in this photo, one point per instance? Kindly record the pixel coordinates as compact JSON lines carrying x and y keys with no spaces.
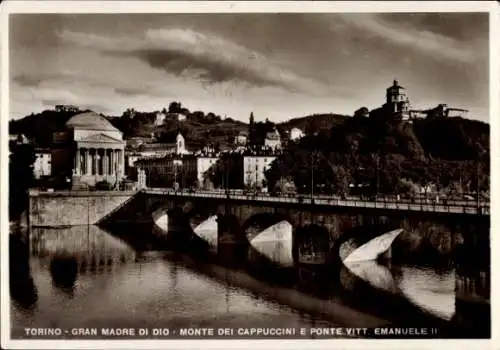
{"x":458,"y":207}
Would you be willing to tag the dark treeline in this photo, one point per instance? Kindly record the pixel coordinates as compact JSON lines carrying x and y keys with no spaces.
{"x":197,"y":127}
{"x":389,"y":157}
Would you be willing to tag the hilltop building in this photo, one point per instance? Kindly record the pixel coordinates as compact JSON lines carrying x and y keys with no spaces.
{"x":443,"y":111}
{"x":397,"y":102}
{"x":273,"y":140}
{"x":241,"y":139}
{"x":89,"y":150}
{"x":397,"y":107}
{"x":160,"y":119}
{"x":296,"y":134}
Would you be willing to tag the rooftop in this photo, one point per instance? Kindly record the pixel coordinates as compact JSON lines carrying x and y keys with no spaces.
{"x":90,"y":121}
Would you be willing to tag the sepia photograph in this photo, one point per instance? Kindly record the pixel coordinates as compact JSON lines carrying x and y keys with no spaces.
{"x":243,"y":173}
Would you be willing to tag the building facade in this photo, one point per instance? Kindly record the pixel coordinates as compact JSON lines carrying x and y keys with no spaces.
{"x":159,"y":119}
{"x":157,"y":150}
{"x":203,"y":164}
{"x":296,"y":134}
{"x":169,"y":170}
{"x":88,"y":151}
{"x":254,"y":168}
{"x":273,"y":140}
{"x":241,"y":139}
{"x":42,"y":166}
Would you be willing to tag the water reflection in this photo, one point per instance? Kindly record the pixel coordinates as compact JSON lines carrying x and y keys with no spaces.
{"x":79,"y":249}
{"x":85,"y":277}
{"x":105,"y":281}
{"x":22,"y":288}
{"x":64,"y":271}
{"x":275,"y":243}
{"x":207,"y":231}
{"x":375,"y":274}
{"x":428,"y":289}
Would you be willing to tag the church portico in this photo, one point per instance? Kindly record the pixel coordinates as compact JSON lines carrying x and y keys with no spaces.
{"x":95,"y":163}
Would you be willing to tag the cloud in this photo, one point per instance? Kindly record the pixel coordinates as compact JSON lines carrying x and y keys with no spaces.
{"x":427,"y":42}
{"x":206,"y":57}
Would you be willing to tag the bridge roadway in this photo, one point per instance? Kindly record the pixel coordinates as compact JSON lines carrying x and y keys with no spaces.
{"x":452,"y":206}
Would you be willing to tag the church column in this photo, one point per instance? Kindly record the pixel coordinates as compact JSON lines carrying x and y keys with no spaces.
{"x":117,"y":170}
{"x":96,"y":161}
{"x":121,"y":162}
{"x":88,"y":162}
{"x":80,"y":161}
{"x":111,"y":161}
{"x":105,"y":162}
{"x":77,"y":161}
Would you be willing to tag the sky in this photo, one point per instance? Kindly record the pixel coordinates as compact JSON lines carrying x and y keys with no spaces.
{"x":278,"y":66}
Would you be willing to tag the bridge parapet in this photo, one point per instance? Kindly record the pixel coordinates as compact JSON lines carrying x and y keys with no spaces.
{"x":452,"y":207}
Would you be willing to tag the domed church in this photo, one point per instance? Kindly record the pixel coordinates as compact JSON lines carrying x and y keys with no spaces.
{"x":89,"y":150}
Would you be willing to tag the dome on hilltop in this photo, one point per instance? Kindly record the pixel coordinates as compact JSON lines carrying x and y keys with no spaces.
{"x":90,"y":121}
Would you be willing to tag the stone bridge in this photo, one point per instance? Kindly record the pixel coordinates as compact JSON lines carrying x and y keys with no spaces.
{"x":322,"y":223}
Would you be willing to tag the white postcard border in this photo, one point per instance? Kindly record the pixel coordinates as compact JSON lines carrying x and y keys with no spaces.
{"x":9,"y":7}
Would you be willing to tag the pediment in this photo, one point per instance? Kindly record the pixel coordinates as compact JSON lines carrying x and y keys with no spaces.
{"x":100,"y":138}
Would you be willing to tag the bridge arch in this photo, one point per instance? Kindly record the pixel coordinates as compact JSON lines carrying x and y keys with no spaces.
{"x":263,"y":220}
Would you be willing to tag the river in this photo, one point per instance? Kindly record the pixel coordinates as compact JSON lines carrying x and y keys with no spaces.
{"x":85,"y":276}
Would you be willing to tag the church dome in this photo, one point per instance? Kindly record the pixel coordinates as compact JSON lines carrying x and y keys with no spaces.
{"x":90,"y":121}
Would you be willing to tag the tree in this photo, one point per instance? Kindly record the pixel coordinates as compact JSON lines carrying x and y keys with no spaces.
{"x":20,"y":178}
{"x":227,"y":172}
{"x":407,"y":188}
{"x":284,"y":186}
{"x":174,"y":107}
{"x":339,"y":179}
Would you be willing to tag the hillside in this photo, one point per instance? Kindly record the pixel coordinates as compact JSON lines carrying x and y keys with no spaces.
{"x":198,"y":128}
{"x":39,"y":127}
{"x":446,"y":152}
{"x":314,"y":123}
